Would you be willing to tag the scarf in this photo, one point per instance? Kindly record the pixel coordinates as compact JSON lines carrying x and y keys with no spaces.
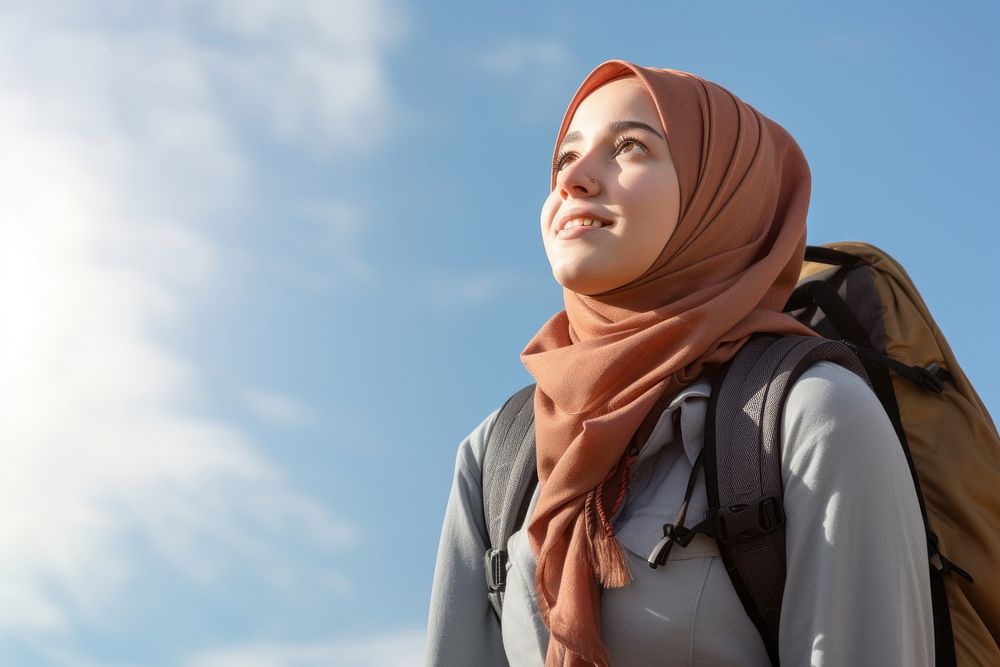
{"x":606,"y":360}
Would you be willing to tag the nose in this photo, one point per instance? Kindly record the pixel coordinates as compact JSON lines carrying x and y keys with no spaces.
{"x":575,"y":181}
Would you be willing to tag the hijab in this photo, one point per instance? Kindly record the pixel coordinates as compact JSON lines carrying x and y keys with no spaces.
{"x":604,"y":362}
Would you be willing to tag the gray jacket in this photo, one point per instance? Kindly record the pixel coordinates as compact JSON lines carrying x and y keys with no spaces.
{"x":856,"y":591}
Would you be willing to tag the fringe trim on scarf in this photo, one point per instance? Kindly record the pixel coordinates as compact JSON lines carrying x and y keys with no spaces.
{"x":607,"y":556}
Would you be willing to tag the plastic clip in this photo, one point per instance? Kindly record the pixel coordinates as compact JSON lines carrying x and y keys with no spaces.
{"x":671,"y":535}
{"x":933,"y":376}
{"x":760,"y":517}
{"x":495,"y":564}
{"x":940,"y":563}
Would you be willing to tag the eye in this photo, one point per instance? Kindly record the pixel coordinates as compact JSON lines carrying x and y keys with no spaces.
{"x":628,"y":144}
{"x":561,"y":160}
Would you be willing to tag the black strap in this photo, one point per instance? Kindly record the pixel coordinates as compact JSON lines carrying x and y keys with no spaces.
{"x":825,"y":297}
{"x":509,"y":477}
{"x":824,"y":255}
{"x":930,"y":378}
{"x":676,"y":533}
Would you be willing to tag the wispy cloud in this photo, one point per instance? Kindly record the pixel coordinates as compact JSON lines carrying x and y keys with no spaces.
{"x":403,"y":649}
{"x":276,"y":408}
{"x":537,"y":67}
{"x":456,"y":290}
{"x":518,"y":57}
{"x":326,"y":253}
{"x":123,"y":141}
{"x":312,"y":67}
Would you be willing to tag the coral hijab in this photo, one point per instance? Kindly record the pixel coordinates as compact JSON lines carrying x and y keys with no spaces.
{"x":603,"y":363}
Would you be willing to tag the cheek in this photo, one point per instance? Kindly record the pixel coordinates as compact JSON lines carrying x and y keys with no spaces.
{"x":655,"y":206}
{"x":549,"y":208}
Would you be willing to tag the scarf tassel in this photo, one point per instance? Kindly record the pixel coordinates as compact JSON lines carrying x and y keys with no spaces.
{"x":607,"y":556}
{"x":610,"y":563}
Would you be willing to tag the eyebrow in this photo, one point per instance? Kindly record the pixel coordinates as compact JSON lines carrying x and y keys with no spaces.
{"x":614,"y":127}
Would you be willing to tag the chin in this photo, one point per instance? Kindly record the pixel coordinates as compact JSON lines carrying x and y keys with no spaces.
{"x":584,"y":283}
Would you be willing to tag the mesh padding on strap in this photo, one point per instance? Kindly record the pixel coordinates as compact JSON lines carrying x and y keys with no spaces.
{"x":508,"y":472}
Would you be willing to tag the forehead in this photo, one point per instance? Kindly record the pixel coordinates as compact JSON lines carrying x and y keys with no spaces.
{"x":620,"y":99}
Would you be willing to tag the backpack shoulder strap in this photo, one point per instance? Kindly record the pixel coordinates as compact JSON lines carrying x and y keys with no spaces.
{"x":509,"y":475}
{"x":742,"y":458}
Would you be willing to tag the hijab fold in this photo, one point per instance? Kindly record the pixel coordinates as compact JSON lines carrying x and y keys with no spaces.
{"x":603,"y":362}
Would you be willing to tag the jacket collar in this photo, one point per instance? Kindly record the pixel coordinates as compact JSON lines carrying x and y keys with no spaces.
{"x":688,"y":410}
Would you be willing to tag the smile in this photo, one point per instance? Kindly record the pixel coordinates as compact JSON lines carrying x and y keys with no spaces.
{"x":583,"y":222}
{"x":579,"y":227}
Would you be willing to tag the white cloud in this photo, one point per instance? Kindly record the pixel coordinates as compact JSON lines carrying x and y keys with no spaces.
{"x":537,"y":70}
{"x":519,"y":57}
{"x":120,"y":148}
{"x":469,"y":289}
{"x":276,"y":408}
{"x":312,"y":67}
{"x":313,"y":70}
{"x":403,"y":649}
{"x":53,"y":656}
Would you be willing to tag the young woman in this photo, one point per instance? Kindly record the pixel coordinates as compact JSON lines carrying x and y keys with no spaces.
{"x":676,"y":226}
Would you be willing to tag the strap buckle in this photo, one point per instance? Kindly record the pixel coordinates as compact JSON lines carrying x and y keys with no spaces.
{"x":495,"y":564}
{"x":760,"y":517}
{"x":932,"y":377}
{"x":940,"y":563}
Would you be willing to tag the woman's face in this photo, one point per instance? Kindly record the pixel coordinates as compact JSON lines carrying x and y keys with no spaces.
{"x":614,"y":168}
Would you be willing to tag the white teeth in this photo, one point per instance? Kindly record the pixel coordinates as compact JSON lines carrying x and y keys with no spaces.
{"x":583,"y":222}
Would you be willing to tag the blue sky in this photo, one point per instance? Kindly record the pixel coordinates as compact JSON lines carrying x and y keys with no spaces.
{"x":265,"y":263}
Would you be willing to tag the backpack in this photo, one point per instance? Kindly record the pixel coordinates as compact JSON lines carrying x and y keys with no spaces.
{"x":876,"y":324}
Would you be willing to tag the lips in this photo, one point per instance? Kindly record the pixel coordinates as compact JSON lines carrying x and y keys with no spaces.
{"x":583,"y":222}
{"x":574,"y":224}
{"x":577,"y":231}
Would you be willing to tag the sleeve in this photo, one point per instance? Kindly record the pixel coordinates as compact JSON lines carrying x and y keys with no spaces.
{"x":462,"y":628}
{"x":857,"y":589}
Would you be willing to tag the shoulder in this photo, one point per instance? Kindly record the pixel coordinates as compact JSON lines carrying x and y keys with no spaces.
{"x":834,"y":422}
{"x":472,"y":449}
{"x":827,"y":396}
{"x":849,"y":498}
{"x":832,"y":385}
